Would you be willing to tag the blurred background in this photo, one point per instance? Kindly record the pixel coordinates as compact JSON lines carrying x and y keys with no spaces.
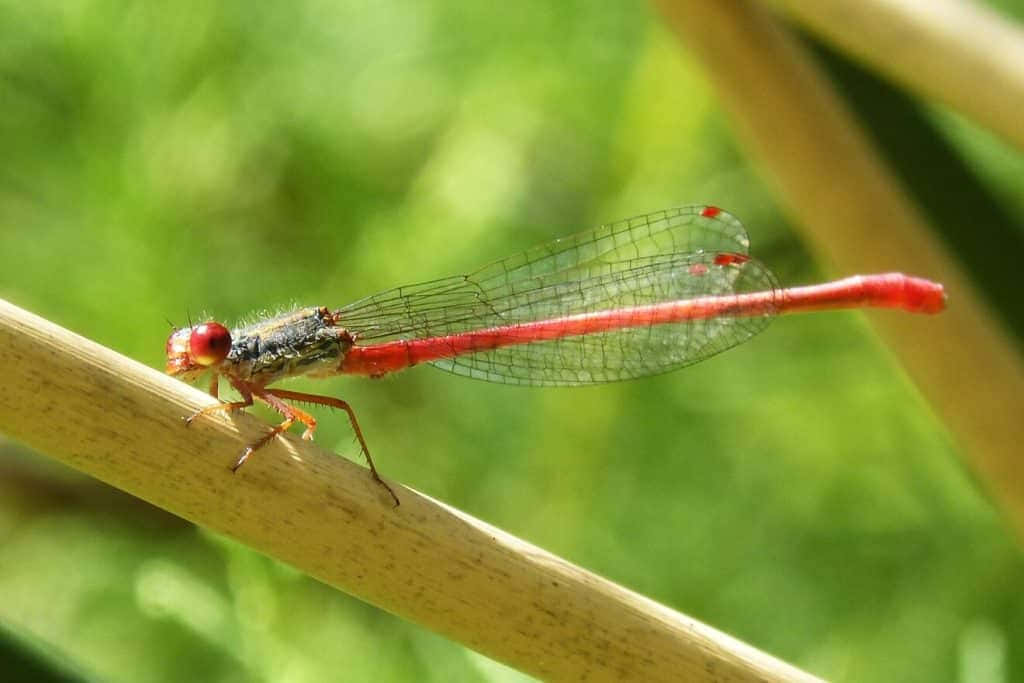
{"x":166,"y":160}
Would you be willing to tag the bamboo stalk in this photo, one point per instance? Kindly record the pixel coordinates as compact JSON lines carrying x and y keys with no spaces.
{"x":859,"y":219}
{"x":961,"y":53}
{"x":121,"y":422}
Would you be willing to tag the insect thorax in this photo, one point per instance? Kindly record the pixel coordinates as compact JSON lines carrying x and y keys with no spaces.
{"x":301,"y":342}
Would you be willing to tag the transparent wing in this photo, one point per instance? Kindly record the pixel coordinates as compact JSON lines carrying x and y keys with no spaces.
{"x":670,"y":255}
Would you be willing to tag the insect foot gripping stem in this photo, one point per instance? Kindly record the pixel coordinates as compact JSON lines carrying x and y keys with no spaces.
{"x":273,"y":398}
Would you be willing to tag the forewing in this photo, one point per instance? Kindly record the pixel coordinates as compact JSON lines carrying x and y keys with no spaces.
{"x":665,"y":256}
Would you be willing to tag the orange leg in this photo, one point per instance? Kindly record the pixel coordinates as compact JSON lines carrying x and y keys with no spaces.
{"x":291,"y":414}
{"x":225,"y":407}
{"x":272,"y":396}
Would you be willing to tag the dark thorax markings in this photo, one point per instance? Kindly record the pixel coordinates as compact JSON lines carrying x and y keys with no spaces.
{"x":301,"y":342}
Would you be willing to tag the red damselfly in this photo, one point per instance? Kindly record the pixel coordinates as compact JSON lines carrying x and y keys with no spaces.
{"x":633,"y":298}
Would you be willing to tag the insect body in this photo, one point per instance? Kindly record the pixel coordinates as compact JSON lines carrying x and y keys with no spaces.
{"x":630,"y":299}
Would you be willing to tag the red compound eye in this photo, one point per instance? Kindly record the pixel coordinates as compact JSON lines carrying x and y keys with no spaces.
{"x":209,"y":343}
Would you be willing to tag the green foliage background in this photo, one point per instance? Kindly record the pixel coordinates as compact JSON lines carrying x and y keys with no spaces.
{"x":161,"y":160}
